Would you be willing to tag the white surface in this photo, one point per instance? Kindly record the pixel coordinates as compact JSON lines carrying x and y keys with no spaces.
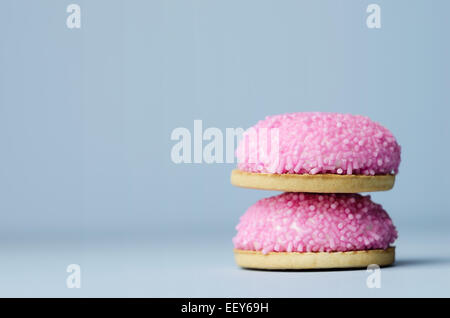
{"x":132,"y":266}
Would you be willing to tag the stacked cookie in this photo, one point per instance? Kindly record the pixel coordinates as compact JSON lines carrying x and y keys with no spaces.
{"x":321,"y":161}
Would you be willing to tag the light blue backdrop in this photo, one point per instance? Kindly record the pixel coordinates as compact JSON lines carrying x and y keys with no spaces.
{"x":86,"y":115}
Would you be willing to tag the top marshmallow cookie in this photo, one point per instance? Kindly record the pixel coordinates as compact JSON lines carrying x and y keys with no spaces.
{"x":318,"y":143}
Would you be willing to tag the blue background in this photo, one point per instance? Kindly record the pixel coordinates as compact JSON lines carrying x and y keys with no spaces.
{"x":86,"y":115}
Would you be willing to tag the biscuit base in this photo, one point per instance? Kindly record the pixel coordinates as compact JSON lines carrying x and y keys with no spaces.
{"x":318,"y":183}
{"x":314,"y":260}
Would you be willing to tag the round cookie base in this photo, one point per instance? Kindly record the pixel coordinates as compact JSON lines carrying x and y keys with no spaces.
{"x":314,"y":260}
{"x":318,"y":183}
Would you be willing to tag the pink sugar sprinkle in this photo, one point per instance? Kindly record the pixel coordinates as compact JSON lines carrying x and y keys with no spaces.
{"x":311,"y":143}
{"x":271,"y":225}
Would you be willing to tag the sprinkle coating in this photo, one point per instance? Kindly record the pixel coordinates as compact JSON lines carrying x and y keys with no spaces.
{"x":302,"y":222}
{"x":312,"y":143}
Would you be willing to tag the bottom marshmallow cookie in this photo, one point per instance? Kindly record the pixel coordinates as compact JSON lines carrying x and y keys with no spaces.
{"x":313,"y":231}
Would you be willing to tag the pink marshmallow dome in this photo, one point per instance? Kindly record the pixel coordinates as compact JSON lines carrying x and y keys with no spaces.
{"x":304,"y":222}
{"x":319,"y":143}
